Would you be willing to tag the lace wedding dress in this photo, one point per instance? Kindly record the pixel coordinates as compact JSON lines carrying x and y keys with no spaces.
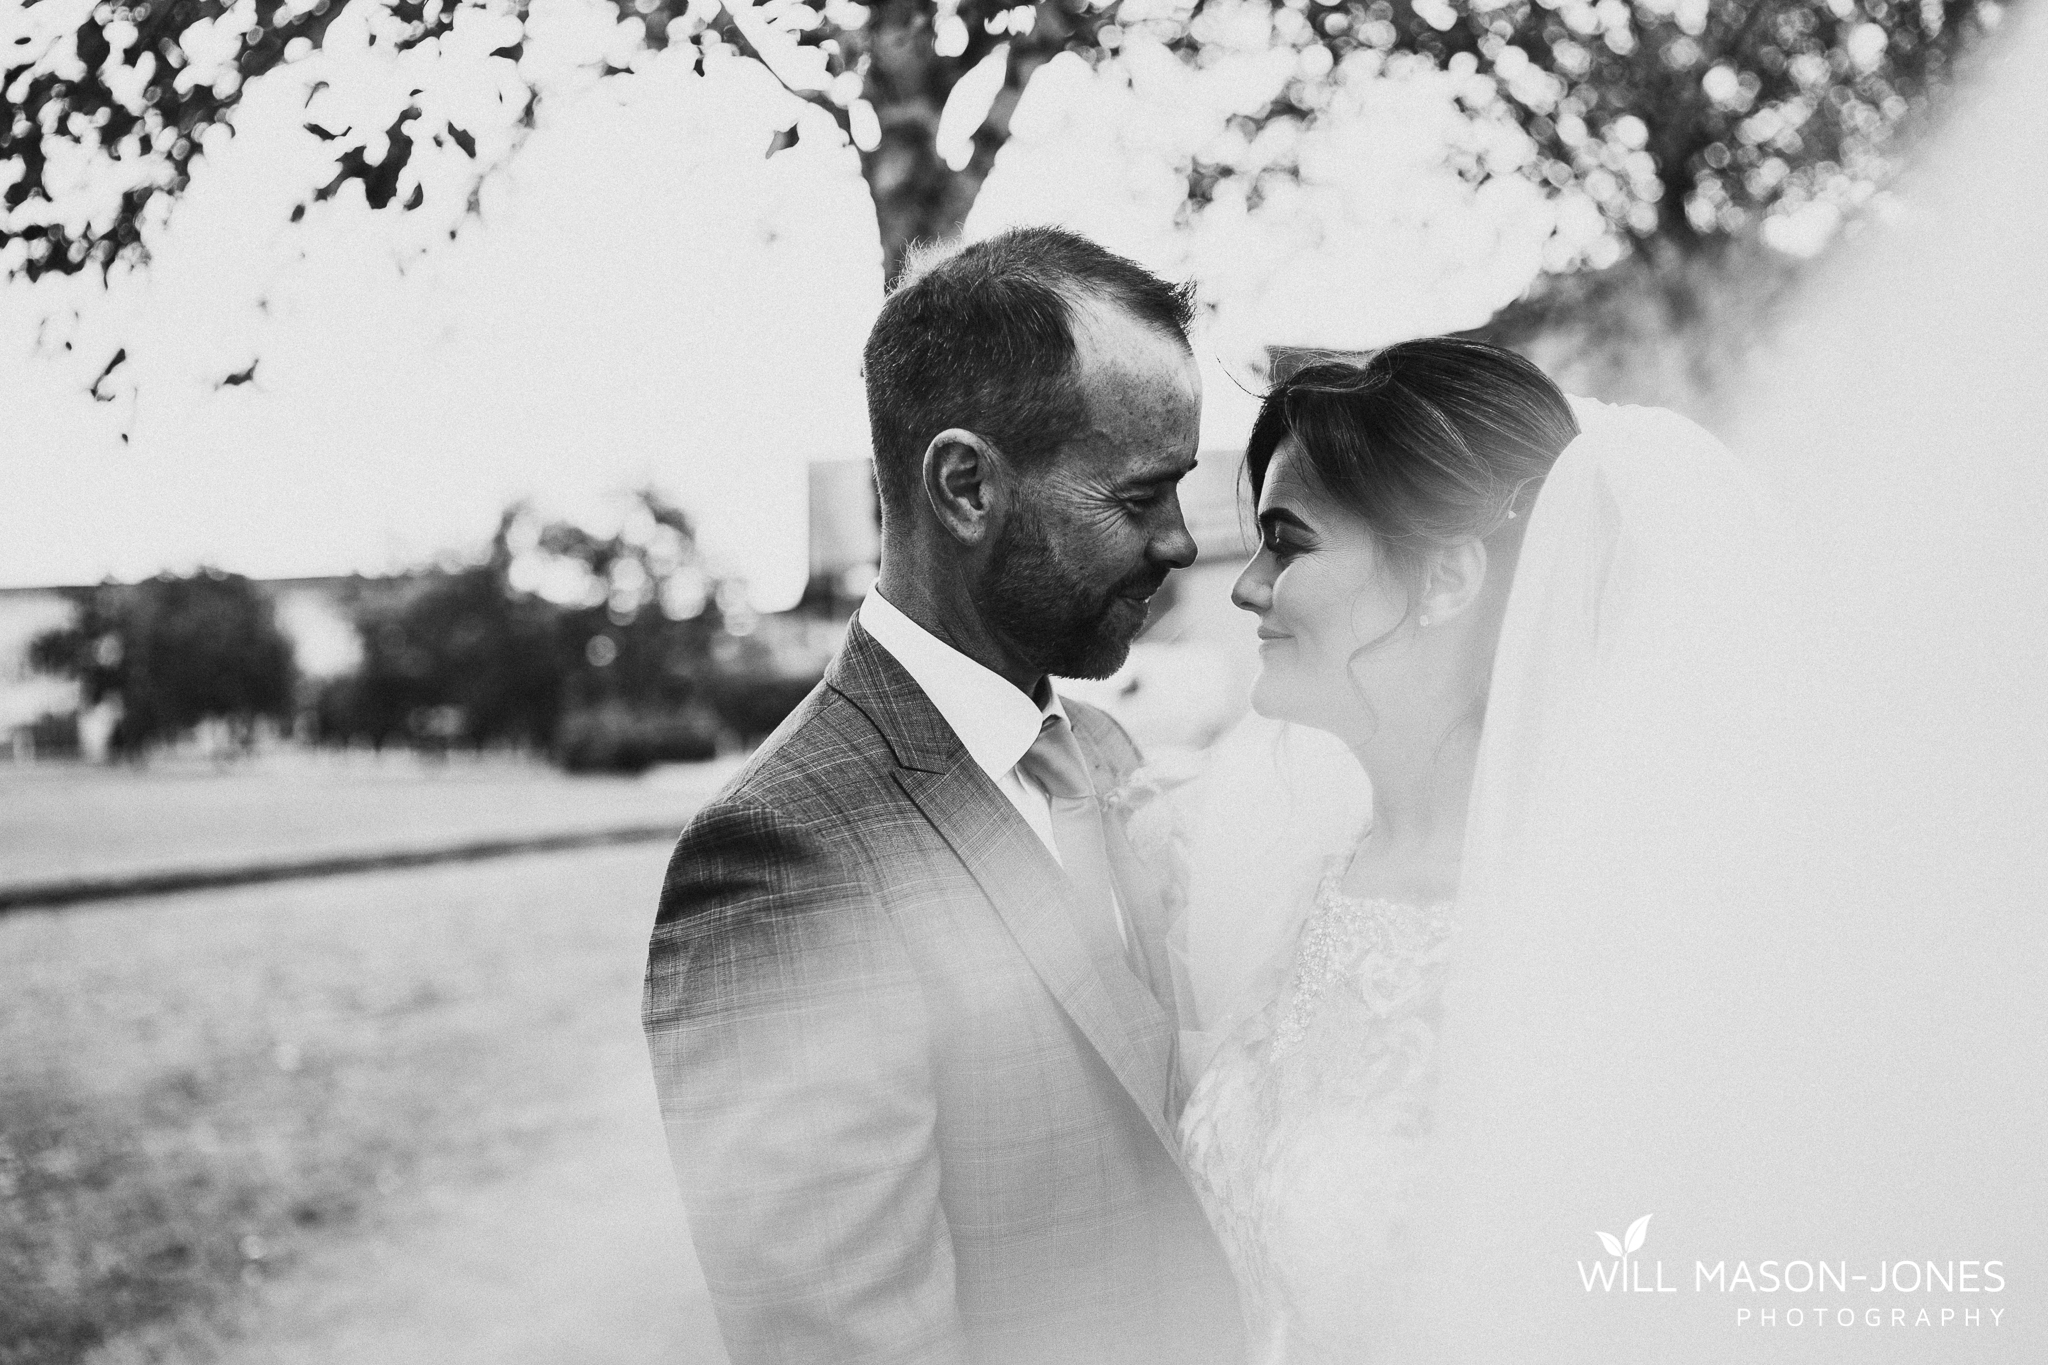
{"x":1304,"y":1133}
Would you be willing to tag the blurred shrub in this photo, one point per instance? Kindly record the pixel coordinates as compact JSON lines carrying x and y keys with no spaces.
{"x":753,"y":707}
{"x":453,"y":644}
{"x":173,"y":651}
{"x":53,"y":736}
{"x":611,"y":652}
{"x":334,"y":711}
{"x":617,"y":739}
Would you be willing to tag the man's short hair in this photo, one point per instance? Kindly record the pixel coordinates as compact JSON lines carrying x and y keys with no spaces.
{"x":981,"y":337}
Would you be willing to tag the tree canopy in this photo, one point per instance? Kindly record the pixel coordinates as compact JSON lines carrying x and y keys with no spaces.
{"x":1683,"y":120}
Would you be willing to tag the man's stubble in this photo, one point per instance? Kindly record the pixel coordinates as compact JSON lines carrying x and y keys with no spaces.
{"x":1059,"y":619}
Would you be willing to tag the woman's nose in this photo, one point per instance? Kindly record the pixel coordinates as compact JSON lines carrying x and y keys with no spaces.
{"x":1253,"y":590}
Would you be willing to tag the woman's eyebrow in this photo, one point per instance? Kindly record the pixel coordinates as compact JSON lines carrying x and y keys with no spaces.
{"x":1285,"y":517}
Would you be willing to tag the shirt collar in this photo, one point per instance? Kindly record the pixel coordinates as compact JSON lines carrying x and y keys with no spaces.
{"x":995,"y":722}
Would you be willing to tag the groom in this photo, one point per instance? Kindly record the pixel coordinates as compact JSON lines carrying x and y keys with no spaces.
{"x":907,"y":997}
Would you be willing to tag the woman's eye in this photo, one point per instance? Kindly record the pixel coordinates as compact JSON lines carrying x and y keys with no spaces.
{"x":1279,"y":546}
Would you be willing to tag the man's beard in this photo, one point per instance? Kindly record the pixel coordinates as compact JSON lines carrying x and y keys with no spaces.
{"x":1057,"y":620}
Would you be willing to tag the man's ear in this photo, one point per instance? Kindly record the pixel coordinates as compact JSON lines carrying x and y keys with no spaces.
{"x":965,"y":481}
{"x":1456,"y":576}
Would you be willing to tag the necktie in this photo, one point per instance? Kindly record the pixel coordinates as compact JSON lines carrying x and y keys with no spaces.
{"x":1055,"y":762}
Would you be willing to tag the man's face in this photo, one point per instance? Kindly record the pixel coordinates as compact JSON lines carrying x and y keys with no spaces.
{"x":1096,"y":530}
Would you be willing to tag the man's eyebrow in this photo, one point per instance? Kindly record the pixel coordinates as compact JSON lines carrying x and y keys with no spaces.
{"x":1160,"y":474}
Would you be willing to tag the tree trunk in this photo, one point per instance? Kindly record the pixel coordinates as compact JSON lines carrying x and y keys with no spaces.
{"x":918,"y":198}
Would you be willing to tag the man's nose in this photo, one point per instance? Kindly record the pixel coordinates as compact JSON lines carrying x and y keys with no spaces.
{"x":1174,"y":546}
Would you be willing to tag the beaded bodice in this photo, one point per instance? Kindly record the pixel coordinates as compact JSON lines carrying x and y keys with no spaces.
{"x":1305,"y":1132}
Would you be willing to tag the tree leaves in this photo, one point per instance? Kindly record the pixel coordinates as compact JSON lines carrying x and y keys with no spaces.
{"x":379,"y":178}
{"x":106,"y":396}
{"x":1680,"y":122}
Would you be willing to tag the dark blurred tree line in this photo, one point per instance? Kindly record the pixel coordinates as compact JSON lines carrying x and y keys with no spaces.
{"x":605,"y":652}
{"x":172,"y":652}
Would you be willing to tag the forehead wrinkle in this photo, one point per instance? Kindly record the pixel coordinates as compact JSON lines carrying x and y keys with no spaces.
{"x":1103,"y":457}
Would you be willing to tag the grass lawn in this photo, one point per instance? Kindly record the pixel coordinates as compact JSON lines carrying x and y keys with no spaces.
{"x":205,"y":1096}
{"x":66,"y":820}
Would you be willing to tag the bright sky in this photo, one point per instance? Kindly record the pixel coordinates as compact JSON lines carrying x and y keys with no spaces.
{"x":645,"y":299}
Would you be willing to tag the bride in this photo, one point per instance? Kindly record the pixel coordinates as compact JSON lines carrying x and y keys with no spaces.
{"x":1393,"y":498}
{"x":1697,"y":922}
{"x":1697,"y":933}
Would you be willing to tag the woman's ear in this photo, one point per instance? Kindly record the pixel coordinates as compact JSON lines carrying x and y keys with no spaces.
{"x":964,"y":480}
{"x":1456,"y":576}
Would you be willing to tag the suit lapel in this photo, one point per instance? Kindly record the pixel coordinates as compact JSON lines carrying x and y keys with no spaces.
{"x":1110,"y":1006}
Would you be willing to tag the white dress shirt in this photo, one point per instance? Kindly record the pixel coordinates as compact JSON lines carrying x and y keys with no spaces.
{"x":996,"y":723}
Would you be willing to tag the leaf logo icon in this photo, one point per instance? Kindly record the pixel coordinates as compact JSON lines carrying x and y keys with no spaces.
{"x":1630,"y":1241}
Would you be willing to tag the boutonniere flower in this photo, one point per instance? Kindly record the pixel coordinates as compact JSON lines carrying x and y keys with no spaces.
{"x":1144,"y":804}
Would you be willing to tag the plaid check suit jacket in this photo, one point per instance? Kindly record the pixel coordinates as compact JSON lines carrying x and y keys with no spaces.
{"x":912,"y":1115}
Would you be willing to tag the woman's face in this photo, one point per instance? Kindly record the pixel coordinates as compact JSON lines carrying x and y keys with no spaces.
{"x":1323,"y":591}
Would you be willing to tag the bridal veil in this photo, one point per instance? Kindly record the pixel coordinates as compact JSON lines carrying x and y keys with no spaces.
{"x":1746,"y":1052}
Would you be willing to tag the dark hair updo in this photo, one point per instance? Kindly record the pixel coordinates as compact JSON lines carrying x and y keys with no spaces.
{"x":1432,"y":442}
